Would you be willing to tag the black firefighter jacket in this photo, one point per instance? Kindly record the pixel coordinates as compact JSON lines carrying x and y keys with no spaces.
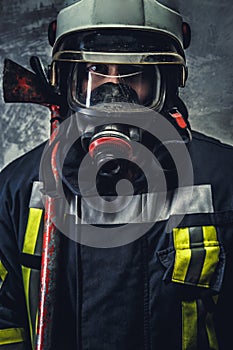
{"x":172,"y":288}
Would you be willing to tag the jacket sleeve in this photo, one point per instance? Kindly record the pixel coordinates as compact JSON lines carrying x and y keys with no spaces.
{"x":19,"y":346}
{"x":13,"y":315}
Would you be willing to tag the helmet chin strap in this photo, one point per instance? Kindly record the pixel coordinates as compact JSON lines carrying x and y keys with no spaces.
{"x":181,"y":124}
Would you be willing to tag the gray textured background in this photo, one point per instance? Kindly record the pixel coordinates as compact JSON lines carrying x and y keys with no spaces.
{"x":208,"y":93}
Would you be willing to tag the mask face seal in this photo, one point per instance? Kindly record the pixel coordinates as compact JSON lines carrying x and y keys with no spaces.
{"x":100,"y":88}
{"x":92,"y":83}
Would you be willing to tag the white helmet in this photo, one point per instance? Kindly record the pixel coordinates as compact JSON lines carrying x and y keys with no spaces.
{"x":122,"y":32}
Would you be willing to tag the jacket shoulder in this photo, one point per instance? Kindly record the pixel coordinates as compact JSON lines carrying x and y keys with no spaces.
{"x":23,"y":167}
{"x":212,"y":162}
{"x":209,"y":140}
{"x":213,"y":151}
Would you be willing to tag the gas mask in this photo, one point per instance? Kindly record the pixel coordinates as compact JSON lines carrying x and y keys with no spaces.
{"x":103,"y":91}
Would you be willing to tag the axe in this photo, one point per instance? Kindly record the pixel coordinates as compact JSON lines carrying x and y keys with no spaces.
{"x":23,"y":85}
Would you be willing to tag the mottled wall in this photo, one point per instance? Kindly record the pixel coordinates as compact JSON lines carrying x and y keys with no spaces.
{"x":208,"y":94}
{"x":209,"y":91}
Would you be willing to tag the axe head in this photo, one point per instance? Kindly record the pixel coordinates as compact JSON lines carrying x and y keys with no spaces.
{"x":22,"y":85}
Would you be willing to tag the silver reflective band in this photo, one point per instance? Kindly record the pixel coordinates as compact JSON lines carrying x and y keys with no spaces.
{"x":36,"y":195}
{"x":143,"y":208}
{"x":146,"y":203}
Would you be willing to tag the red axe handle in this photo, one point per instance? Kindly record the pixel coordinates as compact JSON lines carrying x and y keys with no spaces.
{"x":22,"y":85}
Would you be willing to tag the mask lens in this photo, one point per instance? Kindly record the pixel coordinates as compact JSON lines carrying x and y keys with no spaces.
{"x":94,"y":83}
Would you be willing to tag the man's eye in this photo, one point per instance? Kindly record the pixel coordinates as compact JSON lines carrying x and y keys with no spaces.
{"x":98,"y":68}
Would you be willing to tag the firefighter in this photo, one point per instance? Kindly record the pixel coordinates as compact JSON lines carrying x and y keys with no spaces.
{"x":152,"y":271}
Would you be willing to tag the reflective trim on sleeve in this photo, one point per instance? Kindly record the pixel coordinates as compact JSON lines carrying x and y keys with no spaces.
{"x":36,"y":195}
{"x":189,"y":325}
{"x":29,"y":246}
{"x":26,"y":281}
{"x":3,"y":273}
{"x":11,"y":336}
{"x":32,"y":230}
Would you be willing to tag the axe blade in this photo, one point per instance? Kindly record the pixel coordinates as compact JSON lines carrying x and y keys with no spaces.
{"x":22,"y":85}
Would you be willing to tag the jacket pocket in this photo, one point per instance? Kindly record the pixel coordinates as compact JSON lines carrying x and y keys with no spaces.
{"x":196,"y":258}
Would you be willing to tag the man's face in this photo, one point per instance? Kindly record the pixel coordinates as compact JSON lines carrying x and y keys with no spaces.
{"x":130,"y":75}
{"x":93,"y":83}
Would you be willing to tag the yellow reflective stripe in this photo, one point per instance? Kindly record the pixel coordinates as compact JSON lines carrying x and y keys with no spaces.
{"x":3,"y":271}
{"x":211,"y":246}
{"x":213,"y":343}
{"x":210,"y":234}
{"x":11,"y":336}
{"x":189,"y":325}
{"x":33,"y":226}
{"x":36,"y":321}
{"x":183,"y":254}
{"x":30,"y":239}
{"x":26,"y":279}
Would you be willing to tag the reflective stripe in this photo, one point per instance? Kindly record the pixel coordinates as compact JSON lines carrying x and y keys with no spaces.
{"x":140,"y":208}
{"x":26,"y":279}
{"x":11,"y":336}
{"x":31,"y":234}
{"x":30,"y":239}
{"x":190,"y":328}
{"x":197,"y":255}
{"x":3,"y":273}
{"x":189,"y":325}
{"x":213,"y":343}
{"x":183,"y":254}
{"x":36,"y":195}
{"x":143,"y":208}
{"x":212,"y":249}
{"x":199,"y":203}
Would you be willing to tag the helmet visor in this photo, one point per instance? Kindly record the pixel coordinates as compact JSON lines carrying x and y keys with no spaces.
{"x":118,"y":46}
{"x":94,"y":83}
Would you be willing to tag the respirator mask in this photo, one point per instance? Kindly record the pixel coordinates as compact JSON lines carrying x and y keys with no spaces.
{"x":102,"y":94}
